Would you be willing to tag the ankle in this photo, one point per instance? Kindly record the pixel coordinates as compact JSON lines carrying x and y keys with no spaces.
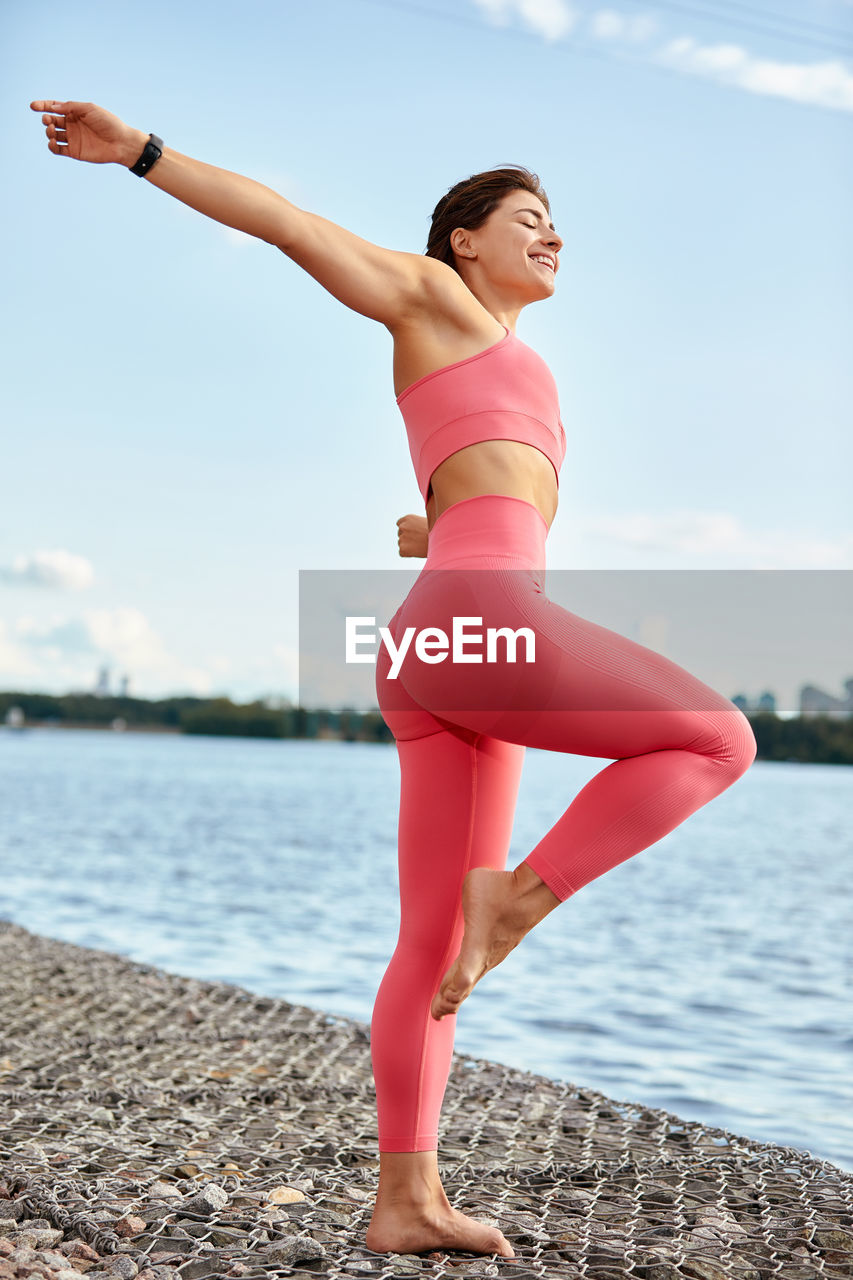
{"x":410,"y":1178}
{"x":533,"y":893}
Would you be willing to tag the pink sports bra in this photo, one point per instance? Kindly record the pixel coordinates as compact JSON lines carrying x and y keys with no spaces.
{"x":506,"y":392}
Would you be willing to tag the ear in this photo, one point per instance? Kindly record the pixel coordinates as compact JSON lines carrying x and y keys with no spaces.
{"x":461,"y":243}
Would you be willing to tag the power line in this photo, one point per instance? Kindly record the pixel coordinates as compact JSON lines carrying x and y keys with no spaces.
{"x":815,"y":27}
{"x":777,"y":31}
{"x":624,"y":53}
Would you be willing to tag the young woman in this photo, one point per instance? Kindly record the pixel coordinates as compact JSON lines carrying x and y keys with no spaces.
{"x":482,"y":416}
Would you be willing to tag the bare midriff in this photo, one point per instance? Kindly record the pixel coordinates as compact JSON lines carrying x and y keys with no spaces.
{"x":507,"y":468}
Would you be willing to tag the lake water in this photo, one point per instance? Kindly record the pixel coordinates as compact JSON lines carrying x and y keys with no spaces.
{"x":711,"y":975}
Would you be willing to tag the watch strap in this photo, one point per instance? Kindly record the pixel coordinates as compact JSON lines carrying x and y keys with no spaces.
{"x":151,"y":153}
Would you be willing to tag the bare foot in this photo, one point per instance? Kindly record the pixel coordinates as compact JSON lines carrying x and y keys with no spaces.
{"x":405,"y":1229}
{"x":497,"y":916}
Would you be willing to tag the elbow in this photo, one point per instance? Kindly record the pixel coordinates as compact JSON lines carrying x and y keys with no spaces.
{"x":285,"y":232}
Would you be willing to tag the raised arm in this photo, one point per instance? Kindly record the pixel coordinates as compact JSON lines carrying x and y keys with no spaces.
{"x":383,"y":284}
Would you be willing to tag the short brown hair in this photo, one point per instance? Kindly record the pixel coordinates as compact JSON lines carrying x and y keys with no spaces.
{"x":470,"y":203}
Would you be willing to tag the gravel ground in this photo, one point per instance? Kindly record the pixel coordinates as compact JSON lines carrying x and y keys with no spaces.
{"x":166,"y":1127}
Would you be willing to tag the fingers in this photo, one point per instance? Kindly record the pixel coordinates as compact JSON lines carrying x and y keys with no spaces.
{"x":57,"y":138}
{"x":42,"y":104}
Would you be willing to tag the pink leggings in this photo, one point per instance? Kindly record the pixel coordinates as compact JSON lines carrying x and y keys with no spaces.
{"x":460,"y":732}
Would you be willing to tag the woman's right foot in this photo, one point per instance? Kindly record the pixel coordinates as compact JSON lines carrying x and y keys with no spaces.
{"x":499,"y":908}
{"x":405,"y":1229}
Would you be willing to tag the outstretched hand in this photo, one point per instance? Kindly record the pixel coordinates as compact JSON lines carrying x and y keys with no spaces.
{"x":85,"y":131}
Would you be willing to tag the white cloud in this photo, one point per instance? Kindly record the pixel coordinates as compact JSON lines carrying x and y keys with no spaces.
{"x":823,"y":84}
{"x":607,"y":24}
{"x":552,"y":19}
{"x":16,"y":666}
{"x":61,"y":569}
{"x":716,"y":536}
{"x":61,"y":653}
{"x":287,"y":657}
{"x":499,"y":11}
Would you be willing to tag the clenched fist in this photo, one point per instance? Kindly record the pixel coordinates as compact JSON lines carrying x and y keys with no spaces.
{"x":412,"y":535}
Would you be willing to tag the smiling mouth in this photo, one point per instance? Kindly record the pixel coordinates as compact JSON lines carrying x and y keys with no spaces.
{"x":540,"y":262}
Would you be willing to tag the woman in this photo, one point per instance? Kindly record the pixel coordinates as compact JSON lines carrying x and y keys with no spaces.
{"x":483,"y":421}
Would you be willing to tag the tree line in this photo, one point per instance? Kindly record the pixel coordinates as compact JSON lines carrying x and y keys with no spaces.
{"x":217,"y":716}
{"x":809,"y":739}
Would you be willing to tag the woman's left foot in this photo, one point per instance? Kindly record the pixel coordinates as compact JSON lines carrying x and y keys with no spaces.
{"x":497,"y":916}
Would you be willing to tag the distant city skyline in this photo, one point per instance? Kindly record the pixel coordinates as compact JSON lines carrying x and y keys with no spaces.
{"x":813,"y":701}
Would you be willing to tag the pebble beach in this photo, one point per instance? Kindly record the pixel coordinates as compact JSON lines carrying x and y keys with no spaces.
{"x":160,"y":1126}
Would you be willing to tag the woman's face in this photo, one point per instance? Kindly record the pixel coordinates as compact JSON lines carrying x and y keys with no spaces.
{"x":516,"y":248}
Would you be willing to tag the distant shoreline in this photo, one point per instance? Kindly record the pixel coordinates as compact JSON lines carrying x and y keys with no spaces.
{"x":812,"y":739}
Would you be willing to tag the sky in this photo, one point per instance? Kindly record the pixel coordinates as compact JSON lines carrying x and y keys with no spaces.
{"x":189,"y":420}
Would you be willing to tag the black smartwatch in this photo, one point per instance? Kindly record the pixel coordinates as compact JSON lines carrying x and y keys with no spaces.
{"x":151,"y":153}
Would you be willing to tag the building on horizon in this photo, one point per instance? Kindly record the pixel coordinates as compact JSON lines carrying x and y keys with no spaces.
{"x":815,"y":702}
{"x":102,"y":684}
{"x":764,"y":702}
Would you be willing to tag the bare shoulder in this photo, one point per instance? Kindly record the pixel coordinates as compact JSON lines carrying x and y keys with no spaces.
{"x":444,"y":323}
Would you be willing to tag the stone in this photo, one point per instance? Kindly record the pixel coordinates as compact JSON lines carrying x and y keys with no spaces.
{"x":284,"y":1195}
{"x":723,"y":1223}
{"x":293,"y":1249}
{"x":208,"y":1200}
{"x":197,"y":1268}
{"x":704,"y":1269}
{"x":79,"y":1249}
{"x":55,"y":1261}
{"x":221,"y":1236}
{"x":131,"y":1225}
{"x":40,"y":1238}
{"x":409,"y":1264}
{"x":164,"y":1191}
{"x":829,"y":1238}
{"x":123,"y":1267}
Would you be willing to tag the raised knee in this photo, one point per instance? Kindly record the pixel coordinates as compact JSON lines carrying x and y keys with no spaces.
{"x":728,"y":740}
{"x":741,"y":747}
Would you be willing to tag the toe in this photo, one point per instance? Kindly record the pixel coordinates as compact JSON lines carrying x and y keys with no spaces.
{"x":500,"y":1245}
